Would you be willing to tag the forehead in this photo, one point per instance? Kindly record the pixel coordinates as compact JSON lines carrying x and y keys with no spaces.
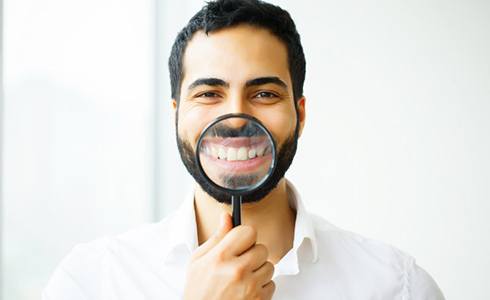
{"x":235,"y":54}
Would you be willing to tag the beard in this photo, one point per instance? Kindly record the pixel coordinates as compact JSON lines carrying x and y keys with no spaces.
{"x":285,"y":157}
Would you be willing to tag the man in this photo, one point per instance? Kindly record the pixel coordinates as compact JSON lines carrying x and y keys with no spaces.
{"x":239,"y":56}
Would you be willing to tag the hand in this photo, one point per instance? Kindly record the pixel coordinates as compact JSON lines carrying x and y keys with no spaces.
{"x":230,"y":265}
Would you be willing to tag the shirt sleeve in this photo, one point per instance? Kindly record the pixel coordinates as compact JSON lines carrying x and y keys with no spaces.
{"x":63,"y":286}
{"x":421,"y":286}
{"x":77,"y":277}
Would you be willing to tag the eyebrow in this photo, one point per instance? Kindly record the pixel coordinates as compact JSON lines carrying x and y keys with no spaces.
{"x":252,"y":82}
{"x":208,"y":81}
{"x":266,"y":80}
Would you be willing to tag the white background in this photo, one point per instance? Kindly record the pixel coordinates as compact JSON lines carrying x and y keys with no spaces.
{"x":395,"y":146}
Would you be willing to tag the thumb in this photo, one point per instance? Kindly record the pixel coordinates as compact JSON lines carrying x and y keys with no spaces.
{"x":225,"y":225}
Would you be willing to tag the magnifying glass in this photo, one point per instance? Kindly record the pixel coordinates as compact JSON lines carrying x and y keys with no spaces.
{"x":236,"y":154}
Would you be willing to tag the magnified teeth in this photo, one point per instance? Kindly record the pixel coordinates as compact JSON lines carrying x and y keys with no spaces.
{"x":231,"y":154}
{"x":242,"y":154}
{"x":260,"y":151}
{"x":236,"y":154}
{"x":221,"y":153}
{"x":252,"y":153}
{"x":214,"y":152}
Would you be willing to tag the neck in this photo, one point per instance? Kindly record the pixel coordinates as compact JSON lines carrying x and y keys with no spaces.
{"x":272,"y":217}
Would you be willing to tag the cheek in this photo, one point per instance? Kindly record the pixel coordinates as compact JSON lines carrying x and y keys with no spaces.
{"x":191,"y":122}
{"x":281,"y":123}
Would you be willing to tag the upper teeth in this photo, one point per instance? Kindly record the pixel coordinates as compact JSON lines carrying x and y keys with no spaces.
{"x":229,"y":153}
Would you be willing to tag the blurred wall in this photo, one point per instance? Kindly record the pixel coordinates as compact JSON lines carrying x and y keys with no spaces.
{"x":79,"y":123}
{"x":1,"y":146}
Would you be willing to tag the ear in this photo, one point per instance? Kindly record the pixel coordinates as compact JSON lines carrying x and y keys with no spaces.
{"x":301,"y":114}
{"x":174,"y":109}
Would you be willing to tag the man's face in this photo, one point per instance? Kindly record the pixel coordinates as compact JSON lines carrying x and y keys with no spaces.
{"x":242,"y":69}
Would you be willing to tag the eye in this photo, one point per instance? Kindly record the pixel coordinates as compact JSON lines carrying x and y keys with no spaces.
{"x":208,"y":95}
{"x":265,"y":95}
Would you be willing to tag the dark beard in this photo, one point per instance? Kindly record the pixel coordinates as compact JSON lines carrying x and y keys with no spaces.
{"x":284,"y":159}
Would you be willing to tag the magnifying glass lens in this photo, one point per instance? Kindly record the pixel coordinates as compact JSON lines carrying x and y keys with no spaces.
{"x":236,"y":153}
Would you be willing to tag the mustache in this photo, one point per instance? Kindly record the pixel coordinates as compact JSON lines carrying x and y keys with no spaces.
{"x":247,"y":130}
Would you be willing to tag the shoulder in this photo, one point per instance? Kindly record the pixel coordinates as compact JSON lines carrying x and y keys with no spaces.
{"x":75,"y":276}
{"x":376,"y":258}
{"x":332,"y":236}
{"x":82,"y":272}
{"x":143,"y":240}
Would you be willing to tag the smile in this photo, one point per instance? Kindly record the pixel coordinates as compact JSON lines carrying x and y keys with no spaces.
{"x":236,"y":149}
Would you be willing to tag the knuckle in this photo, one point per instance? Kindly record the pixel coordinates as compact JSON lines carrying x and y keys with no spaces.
{"x":250,"y":291}
{"x":220,"y":256}
{"x":269,"y":290}
{"x":272,"y":288}
{"x":238,"y":273}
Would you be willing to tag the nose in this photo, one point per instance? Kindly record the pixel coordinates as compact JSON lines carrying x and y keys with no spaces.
{"x":238,"y":105}
{"x":236,"y":122}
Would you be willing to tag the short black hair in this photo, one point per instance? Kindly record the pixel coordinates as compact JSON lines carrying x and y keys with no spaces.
{"x":220,"y":14}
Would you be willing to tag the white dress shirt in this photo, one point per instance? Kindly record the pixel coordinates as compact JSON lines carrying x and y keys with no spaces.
{"x":325,"y":262}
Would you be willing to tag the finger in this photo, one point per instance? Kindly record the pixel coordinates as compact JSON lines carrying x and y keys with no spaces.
{"x":264,"y":274}
{"x":268,"y":290}
{"x":238,"y":240}
{"x":254,"y":257}
{"x":225,"y":225}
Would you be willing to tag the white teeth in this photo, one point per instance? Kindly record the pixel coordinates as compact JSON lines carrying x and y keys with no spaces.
{"x":252,"y":153}
{"x":260,"y":150}
{"x":214,"y":152}
{"x":242,"y":154}
{"x":221,"y":153}
{"x":231,"y":154}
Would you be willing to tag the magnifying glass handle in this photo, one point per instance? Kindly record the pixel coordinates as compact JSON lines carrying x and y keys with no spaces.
{"x":236,"y":204}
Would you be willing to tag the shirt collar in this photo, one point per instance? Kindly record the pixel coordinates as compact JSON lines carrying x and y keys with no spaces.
{"x":304,"y":243}
{"x":304,"y":229}
{"x":183,"y":229}
{"x":183,"y":233}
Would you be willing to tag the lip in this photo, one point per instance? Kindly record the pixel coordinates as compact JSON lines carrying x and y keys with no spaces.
{"x":239,"y":166}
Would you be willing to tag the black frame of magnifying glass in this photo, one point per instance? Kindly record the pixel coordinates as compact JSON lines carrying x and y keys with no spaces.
{"x":237,"y":192}
{"x":245,"y":191}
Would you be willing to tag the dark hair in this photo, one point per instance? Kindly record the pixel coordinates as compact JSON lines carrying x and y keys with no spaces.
{"x":220,"y":14}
